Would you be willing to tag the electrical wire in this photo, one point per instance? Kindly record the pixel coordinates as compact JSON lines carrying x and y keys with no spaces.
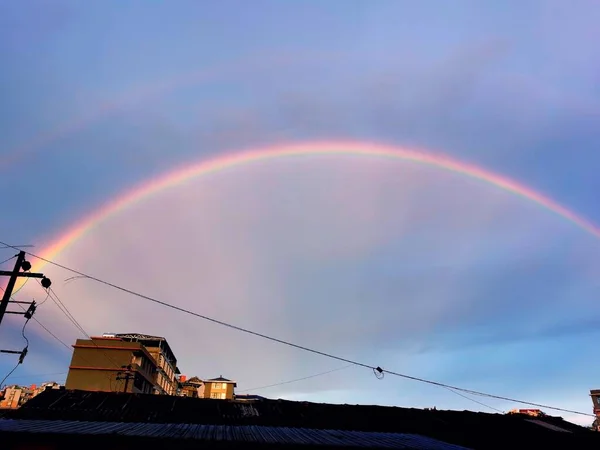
{"x":71,"y":317}
{"x":40,"y":323}
{"x":39,"y":375}
{"x":63,"y":308}
{"x":67,"y":346}
{"x":475,"y":401}
{"x":23,"y":333}
{"x":375,"y":369}
{"x":7,"y":260}
{"x":22,"y":356}
{"x":21,"y":287}
{"x":66,"y":312}
{"x":298,"y":379}
{"x":8,"y":376}
{"x":45,"y":300}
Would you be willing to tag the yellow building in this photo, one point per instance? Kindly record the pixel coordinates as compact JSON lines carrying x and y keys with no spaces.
{"x":219,"y":388}
{"x":13,"y":397}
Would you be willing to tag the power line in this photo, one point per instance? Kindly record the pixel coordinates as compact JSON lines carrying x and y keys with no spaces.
{"x":39,"y":375}
{"x":40,"y":323}
{"x":351,"y":365}
{"x":298,"y":379}
{"x":375,"y":369}
{"x":66,"y":312}
{"x":21,"y":287}
{"x":22,"y":355}
{"x":478,"y":402}
{"x":67,"y":346}
{"x":8,"y":375}
{"x":8,"y":259}
{"x":63,"y":308}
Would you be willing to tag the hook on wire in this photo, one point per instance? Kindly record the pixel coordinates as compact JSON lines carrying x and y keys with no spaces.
{"x":379,"y":373}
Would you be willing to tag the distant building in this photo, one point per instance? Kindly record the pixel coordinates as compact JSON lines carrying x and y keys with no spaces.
{"x":215,"y":388}
{"x":219,"y":388}
{"x":194,"y":387}
{"x":166,"y":374}
{"x":111,"y":364}
{"x":529,"y":412}
{"x":15,"y":396}
{"x":595,"y":394}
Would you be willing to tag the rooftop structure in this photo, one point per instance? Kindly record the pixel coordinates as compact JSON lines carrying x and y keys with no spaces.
{"x":239,"y":424}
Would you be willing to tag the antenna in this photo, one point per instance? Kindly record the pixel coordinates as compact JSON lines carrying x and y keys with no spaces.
{"x":16,"y":246}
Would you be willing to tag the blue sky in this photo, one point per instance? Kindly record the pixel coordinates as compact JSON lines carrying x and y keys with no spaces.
{"x":406,"y":267}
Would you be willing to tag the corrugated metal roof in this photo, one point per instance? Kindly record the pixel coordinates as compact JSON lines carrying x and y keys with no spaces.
{"x":227,"y":433}
{"x":548,"y":425}
{"x":479,"y":430}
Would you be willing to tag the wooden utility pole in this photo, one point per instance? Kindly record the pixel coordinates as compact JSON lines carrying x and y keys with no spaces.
{"x":24,"y":265}
{"x":127,"y":375}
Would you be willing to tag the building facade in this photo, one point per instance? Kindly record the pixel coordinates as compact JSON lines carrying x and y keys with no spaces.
{"x":219,"y":388}
{"x":111,"y":364}
{"x":165,"y":376}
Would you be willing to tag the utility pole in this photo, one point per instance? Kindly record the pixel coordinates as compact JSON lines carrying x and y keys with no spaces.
{"x":14,"y":274}
{"x":24,"y":265}
{"x":127,"y":375}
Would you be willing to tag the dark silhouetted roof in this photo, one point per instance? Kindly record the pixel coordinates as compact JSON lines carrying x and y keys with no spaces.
{"x":249,"y":397}
{"x":224,"y":433}
{"x":194,"y":380}
{"x":469,"y":429}
{"x":150,"y":341}
{"x":220,"y":378}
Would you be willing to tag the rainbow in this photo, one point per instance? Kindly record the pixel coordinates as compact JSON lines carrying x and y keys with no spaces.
{"x":229,"y":161}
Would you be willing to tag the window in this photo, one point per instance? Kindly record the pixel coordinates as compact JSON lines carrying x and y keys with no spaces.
{"x":223,"y":395}
{"x":215,"y":395}
{"x":216,"y":385}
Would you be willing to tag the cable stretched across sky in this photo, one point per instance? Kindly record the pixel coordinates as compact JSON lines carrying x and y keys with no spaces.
{"x":375,"y":369}
{"x":295,"y":380}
